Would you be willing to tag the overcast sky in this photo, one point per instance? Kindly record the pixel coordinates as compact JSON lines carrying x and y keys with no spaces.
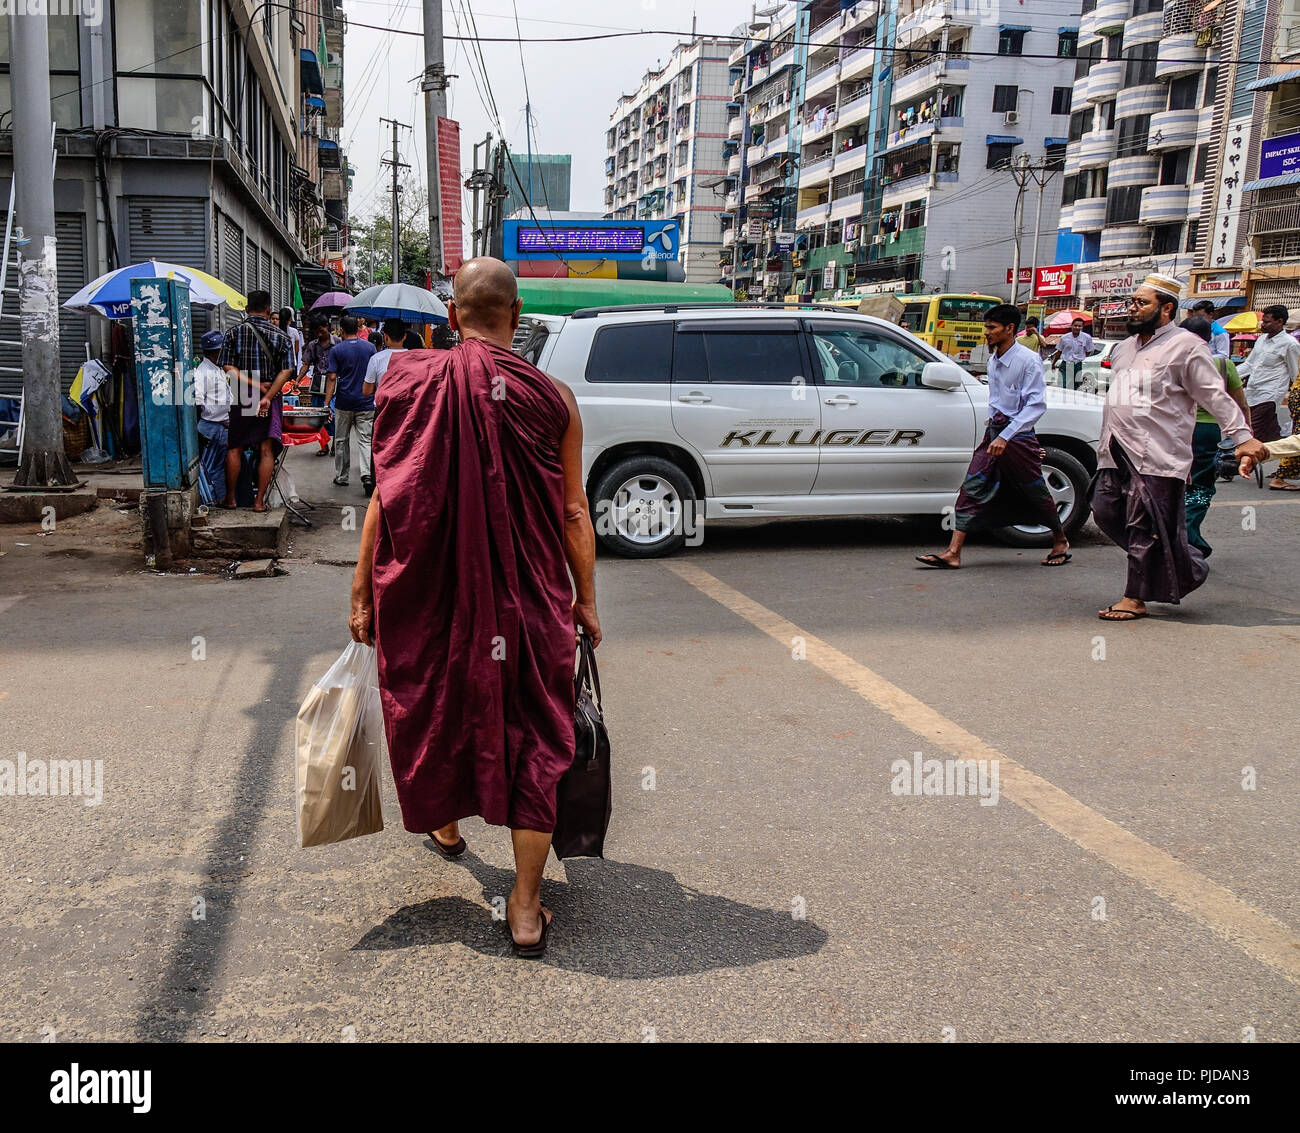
{"x":573,"y":86}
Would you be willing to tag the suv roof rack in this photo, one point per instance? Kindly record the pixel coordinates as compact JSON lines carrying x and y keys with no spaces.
{"x":673,"y":308}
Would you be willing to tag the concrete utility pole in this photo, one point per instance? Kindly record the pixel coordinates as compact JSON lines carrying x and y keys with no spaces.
{"x":397,"y":164}
{"x":43,"y":464}
{"x":434,"y":86}
{"x":1020,"y":171}
{"x":478,"y":181}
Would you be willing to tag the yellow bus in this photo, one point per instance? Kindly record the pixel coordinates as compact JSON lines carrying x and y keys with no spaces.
{"x":951,"y":323}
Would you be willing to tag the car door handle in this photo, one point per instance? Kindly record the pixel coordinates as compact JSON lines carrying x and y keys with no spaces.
{"x":841,"y":399}
{"x":694,"y":398}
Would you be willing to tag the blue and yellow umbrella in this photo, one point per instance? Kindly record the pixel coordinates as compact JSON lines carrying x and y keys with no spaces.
{"x":110,"y":294}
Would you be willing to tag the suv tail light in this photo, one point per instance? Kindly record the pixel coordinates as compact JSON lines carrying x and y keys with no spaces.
{"x":1105,"y":363}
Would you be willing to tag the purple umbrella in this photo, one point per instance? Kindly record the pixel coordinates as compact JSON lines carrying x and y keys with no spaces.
{"x":332,"y":301}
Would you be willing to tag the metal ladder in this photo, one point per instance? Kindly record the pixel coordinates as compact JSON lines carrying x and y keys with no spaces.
{"x":8,"y":318}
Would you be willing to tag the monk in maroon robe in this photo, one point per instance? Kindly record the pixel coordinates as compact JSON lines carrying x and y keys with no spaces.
{"x":479,"y":518}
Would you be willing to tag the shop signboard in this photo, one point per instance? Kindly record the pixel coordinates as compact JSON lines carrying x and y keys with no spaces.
{"x":1218,"y":283}
{"x":1054,"y":281}
{"x":829,"y":273}
{"x":1279,"y":156}
{"x":1115,"y":283}
{"x":1026,"y":275}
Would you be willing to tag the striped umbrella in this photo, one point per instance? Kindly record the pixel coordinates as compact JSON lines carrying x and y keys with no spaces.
{"x":110,"y":294}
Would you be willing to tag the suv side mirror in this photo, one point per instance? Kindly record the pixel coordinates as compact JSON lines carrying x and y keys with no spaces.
{"x":943,"y":375}
{"x":848,"y":373}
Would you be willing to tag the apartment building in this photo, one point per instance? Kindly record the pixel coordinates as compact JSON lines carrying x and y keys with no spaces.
{"x":1250,"y":215}
{"x":185,"y":133}
{"x":913,"y":113}
{"x":762,"y":150}
{"x":1141,"y":126}
{"x":664,"y":151}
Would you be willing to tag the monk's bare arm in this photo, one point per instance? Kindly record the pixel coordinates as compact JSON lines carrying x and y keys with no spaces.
{"x":363,"y":592}
{"x":579,"y":538}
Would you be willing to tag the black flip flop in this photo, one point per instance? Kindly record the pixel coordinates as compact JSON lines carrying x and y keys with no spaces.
{"x":935,"y":562}
{"x":1133,"y":615}
{"x":533,"y":951}
{"x":1058,"y":559}
{"x":451,"y":853}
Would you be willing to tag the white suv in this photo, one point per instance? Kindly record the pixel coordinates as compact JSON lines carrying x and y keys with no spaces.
{"x":732,"y":412}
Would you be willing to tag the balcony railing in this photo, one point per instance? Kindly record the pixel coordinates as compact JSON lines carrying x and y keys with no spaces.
{"x":1275,"y":218}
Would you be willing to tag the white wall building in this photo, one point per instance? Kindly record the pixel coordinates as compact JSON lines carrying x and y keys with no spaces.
{"x":665,"y":142}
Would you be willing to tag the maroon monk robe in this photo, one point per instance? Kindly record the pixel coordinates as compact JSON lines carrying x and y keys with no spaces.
{"x":472,"y":595}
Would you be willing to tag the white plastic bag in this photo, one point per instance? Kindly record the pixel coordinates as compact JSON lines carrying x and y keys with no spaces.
{"x":340,"y":744}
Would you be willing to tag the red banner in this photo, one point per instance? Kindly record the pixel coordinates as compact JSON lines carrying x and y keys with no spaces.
{"x":453,"y":238}
{"x":1055,"y":280}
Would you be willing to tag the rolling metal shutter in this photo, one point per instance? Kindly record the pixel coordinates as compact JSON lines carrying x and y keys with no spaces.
{"x":174,"y":229}
{"x":232,"y":253}
{"x":267,"y":283}
{"x":250,"y":265}
{"x":70,"y":231}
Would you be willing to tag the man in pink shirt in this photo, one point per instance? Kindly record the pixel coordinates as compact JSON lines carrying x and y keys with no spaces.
{"x":1159,"y":375}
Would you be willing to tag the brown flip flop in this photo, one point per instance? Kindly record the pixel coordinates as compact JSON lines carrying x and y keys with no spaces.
{"x":536,"y":950}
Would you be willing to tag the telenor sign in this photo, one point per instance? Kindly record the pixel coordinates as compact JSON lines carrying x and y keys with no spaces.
{"x":1055,"y":280}
{"x":1279,"y":155}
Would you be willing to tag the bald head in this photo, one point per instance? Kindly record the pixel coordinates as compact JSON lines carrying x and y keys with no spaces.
{"x":485,"y":299}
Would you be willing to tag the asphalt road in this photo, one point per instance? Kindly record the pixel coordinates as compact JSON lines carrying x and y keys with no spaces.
{"x":1123,"y":887}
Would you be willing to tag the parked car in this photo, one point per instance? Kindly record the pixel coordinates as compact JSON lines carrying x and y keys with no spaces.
{"x":721,"y":413}
{"x":1095,"y":376}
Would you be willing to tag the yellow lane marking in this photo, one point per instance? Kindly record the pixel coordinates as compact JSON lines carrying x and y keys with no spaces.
{"x":1253,"y":931}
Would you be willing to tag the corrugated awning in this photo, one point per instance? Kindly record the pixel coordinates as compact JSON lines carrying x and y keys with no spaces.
{"x":1229,"y":301}
{"x":1272,"y":182}
{"x":1016,"y":27}
{"x":1003,"y":140}
{"x":1064,"y":31}
{"x":1270,"y":81}
{"x":315,"y":102}
{"x":1055,"y":142}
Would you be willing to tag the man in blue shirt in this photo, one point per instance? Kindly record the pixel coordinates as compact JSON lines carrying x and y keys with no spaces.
{"x":1220,"y":343}
{"x":353,"y":410}
{"x":1005,"y":485}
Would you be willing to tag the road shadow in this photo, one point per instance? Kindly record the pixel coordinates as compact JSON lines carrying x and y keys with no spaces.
{"x":612,"y":919}
{"x":184,"y":984}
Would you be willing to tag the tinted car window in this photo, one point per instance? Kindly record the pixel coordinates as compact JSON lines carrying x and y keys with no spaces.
{"x":852,"y":356}
{"x":740,"y":355}
{"x":637,"y":352}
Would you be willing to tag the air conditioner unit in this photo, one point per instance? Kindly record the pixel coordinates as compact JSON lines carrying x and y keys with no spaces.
{"x":878,"y":239}
{"x":850,"y":245}
{"x":1011,"y":118}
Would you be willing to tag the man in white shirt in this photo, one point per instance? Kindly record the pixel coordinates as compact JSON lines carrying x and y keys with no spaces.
{"x":212,"y":397}
{"x":1004,"y":485}
{"x":1271,"y":368}
{"x":395,"y":331}
{"x":1072,"y":350}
